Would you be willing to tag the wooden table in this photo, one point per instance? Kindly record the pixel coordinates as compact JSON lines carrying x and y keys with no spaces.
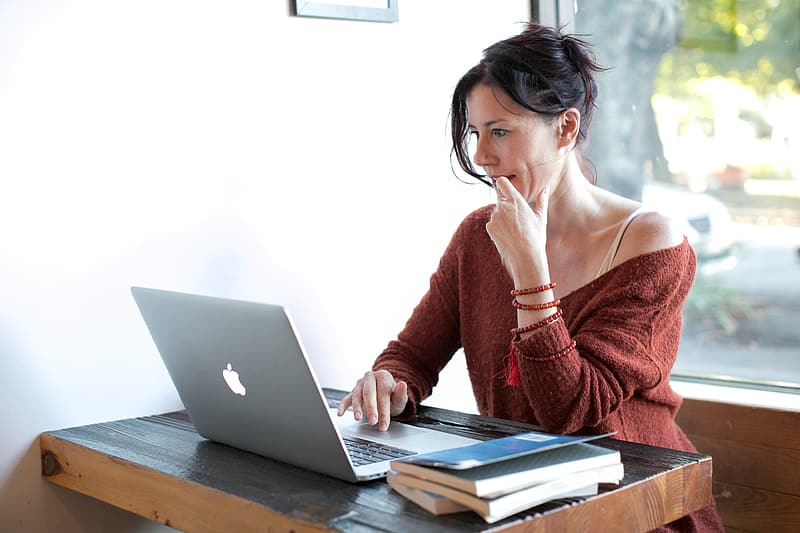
{"x":160,"y":468}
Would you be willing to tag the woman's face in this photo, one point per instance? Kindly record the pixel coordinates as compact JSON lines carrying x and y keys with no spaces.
{"x":511,"y":141}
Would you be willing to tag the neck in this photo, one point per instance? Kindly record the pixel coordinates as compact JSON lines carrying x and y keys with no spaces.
{"x":571,"y":202}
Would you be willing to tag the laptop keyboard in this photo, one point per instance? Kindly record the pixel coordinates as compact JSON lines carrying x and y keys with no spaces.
{"x":364,"y":452}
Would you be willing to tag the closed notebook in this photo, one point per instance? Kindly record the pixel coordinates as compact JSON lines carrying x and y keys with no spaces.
{"x":495,"y":479}
{"x":493,"y":509}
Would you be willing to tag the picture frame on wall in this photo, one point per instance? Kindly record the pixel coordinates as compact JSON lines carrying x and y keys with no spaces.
{"x":366,"y":10}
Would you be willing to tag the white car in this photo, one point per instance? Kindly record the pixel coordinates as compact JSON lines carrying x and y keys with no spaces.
{"x":706,"y":221}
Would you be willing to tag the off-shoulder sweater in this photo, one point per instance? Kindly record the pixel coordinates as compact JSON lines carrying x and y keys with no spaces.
{"x":626,"y":325}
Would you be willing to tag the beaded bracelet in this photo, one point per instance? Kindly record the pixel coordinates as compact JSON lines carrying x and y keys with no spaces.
{"x":513,"y":377}
{"x":512,"y":372}
{"x":516,"y":332}
{"x":559,"y":354}
{"x":535,"y":307}
{"x":534,"y":290}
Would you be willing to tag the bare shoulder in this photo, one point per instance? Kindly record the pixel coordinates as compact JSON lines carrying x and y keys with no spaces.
{"x":648,"y":232}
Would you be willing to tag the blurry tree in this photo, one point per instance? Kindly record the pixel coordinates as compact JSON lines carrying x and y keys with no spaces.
{"x":756,"y":42}
{"x":660,"y":46}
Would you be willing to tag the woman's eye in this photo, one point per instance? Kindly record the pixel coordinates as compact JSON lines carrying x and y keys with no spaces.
{"x":498,"y":132}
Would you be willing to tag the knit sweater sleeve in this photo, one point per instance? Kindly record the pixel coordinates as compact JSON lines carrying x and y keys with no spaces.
{"x":626,"y":327}
{"x":432,"y":334}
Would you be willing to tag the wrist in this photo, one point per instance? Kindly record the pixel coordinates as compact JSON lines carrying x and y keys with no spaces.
{"x":530,"y":276}
{"x":529,"y":270}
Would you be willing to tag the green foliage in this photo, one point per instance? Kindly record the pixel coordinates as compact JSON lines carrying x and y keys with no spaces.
{"x":756,"y":42}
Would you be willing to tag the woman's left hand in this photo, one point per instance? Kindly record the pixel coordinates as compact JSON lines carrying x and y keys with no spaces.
{"x":518,"y":229}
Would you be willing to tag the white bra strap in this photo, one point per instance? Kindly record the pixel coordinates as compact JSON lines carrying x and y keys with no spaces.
{"x":608,"y":260}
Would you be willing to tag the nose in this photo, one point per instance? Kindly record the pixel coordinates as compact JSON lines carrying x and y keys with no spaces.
{"x":482,"y":156}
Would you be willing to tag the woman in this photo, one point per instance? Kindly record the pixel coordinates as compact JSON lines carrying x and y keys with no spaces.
{"x":566,"y":298}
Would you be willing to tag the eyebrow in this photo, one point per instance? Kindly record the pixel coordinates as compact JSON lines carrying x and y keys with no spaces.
{"x":489,"y":123}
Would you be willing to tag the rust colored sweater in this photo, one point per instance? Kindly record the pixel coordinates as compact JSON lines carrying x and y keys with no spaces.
{"x":626,"y":325}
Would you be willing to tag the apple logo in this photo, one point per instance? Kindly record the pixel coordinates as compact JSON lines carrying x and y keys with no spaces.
{"x":232,"y":380}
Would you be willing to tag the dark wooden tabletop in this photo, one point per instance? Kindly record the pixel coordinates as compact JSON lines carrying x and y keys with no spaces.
{"x":160,"y":468}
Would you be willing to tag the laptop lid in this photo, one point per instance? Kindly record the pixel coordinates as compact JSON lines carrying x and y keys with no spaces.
{"x":245,"y":380}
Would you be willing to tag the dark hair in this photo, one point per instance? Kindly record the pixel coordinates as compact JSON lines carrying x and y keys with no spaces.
{"x":541,"y":69}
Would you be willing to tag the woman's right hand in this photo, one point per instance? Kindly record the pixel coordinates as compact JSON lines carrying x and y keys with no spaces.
{"x":378,"y":397}
{"x":519,"y":231}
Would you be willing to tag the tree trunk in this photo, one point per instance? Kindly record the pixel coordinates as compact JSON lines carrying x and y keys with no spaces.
{"x":630,"y":40}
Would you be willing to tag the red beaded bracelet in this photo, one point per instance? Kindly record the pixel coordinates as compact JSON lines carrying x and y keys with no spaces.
{"x":513,"y":377}
{"x":516,"y":332}
{"x":534,"y":290}
{"x":556,"y":355}
{"x":535,"y":307}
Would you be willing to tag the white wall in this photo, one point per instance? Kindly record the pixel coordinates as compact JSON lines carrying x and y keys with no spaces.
{"x":224,"y":148}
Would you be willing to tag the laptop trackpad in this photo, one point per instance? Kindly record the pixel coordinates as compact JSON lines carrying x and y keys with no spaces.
{"x":400,"y":435}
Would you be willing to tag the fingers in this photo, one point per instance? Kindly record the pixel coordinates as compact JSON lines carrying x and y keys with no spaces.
{"x":376,"y":396}
{"x":399,"y":398}
{"x":506,"y":191}
{"x":368,"y":396}
{"x":384,"y":409}
{"x":501,"y":187}
{"x":358,"y":398}
{"x":344,"y":403}
{"x":385,"y":387}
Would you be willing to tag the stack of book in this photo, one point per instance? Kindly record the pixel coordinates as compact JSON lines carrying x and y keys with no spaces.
{"x":501,"y":477}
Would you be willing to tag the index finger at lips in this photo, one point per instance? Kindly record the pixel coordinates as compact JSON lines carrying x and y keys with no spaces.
{"x":506,"y":189}
{"x":501,"y":186}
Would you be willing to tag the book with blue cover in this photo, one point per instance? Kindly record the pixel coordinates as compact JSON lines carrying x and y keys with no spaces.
{"x":495,"y":450}
{"x":503,"y":477}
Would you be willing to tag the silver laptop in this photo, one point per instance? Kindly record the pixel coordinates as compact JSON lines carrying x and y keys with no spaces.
{"x":245,"y":380}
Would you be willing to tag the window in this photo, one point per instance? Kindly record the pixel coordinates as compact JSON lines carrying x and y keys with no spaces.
{"x":699,"y":114}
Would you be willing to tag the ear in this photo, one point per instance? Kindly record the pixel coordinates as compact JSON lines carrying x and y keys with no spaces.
{"x":569,"y":124}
